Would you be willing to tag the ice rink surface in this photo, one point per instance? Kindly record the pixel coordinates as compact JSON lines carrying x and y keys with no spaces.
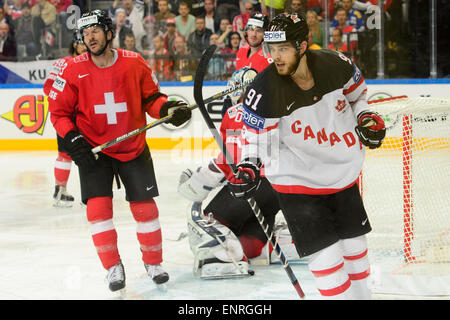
{"x":47,"y":253}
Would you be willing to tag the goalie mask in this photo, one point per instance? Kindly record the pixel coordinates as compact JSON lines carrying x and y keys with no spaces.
{"x":237,"y":78}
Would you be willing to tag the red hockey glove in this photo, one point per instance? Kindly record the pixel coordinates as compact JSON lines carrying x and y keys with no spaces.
{"x":370,"y":129}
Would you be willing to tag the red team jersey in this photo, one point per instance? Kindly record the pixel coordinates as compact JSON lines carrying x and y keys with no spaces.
{"x":57,"y":66}
{"x":257,"y":61}
{"x":101,"y":106}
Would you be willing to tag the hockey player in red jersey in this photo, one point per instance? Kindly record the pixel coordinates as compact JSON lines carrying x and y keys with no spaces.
{"x":63,"y":162}
{"x":233,"y":218}
{"x":251,"y":54}
{"x":100,"y":95}
{"x":307,"y":119}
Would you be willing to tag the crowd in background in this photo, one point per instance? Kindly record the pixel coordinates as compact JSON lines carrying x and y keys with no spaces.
{"x":171,"y":34}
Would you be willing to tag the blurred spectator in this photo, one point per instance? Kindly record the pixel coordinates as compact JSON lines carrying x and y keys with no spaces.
{"x":296,"y":6}
{"x":272,"y":7}
{"x":225,"y":28}
{"x":135,"y":15}
{"x":151,"y":31}
{"x":198,"y":40}
{"x":8,"y":51}
{"x":160,"y":61}
{"x":121,"y":28}
{"x":170,"y":35}
{"x":311,"y":44}
{"x":61,"y":5}
{"x":44,"y":18}
{"x":14,"y":10}
{"x":336,"y":41}
{"x":349,"y":35}
{"x":27,"y":37}
{"x":232,"y":48}
{"x":197,"y":7}
{"x":216,"y":66}
{"x":163,"y":14}
{"x":185,"y":21}
{"x":130,"y":44}
{"x":184,"y":65}
{"x":227,"y":9}
{"x":240,"y":21}
{"x":315,"y":28}
{"x":5,"y":18}
{"x":354,"y":17}
{"x":211,"y":20}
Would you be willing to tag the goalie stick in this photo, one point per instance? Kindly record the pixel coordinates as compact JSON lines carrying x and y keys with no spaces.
{"x":198,"y":96}
{"x":162,"y":120}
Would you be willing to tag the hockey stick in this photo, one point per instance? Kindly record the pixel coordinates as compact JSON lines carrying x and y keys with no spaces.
{"x":198,"y":96}
{"x":162,"y":120}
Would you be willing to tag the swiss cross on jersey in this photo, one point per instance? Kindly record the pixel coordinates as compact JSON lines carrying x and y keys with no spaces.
{"x":110,"y":108}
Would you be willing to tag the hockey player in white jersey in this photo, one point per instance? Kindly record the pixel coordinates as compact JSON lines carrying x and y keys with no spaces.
{"x":307,"y":119}
{"x":226,"y":230}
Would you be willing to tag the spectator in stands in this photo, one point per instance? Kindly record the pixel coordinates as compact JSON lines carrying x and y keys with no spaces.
{"x":296,"y":6}
{"x":197,"y":7}
{"x":227,"y":9}
{"x":130,"y":44}
{"x":317,"y":32}
{"x":160,"y":61}
{"x":184,"y":65}
{"x":14,"y":10}
{"x":135,"y":17}
{"x":44,"y":18}
{"x":170,"y":35}
{"x":185,"y":21}
{"x":26,"y":36}
{"x":234,"y":44}
{"x":61,"y":5}
{"x":336,"y":41}
{"x":216,"y":66}
{"x":211,"y":20}
{"x":121,"y":28}
{"x":272,"y":7}
{"x":162,"y":15}
{"x":225,"y":27}
{"x":354,"y":17}
{"x":240,"y":21}
{"x":349,"y":34}
{"x":8,"y":51}
{"x":198,"y":40}
{"x":151,"y":31}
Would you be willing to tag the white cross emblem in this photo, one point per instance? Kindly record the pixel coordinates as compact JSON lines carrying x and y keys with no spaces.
{"x":110,"y":108}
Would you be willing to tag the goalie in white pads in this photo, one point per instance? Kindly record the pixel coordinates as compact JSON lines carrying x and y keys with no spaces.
{"x":227,"y":231}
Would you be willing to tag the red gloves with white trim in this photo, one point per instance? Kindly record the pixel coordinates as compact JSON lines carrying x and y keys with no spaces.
{"x":246,"y":180}
{"x":370,"y":129}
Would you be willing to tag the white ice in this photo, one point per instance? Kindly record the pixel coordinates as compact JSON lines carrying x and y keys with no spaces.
{"x":47,"y":252}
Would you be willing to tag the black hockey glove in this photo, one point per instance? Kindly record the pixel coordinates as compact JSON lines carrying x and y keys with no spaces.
{"x":246,"y":180}
{"x":370,"y":129}
{"x":79,"y":149}
{"x":181,"y":113}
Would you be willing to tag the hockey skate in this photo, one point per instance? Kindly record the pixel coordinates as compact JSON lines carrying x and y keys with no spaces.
{"x":61,"y":198}
{"x":116,"y":277}
{"x":156,"y":273}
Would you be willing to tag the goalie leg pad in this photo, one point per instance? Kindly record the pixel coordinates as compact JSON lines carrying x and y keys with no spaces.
{"x":213,"y":243}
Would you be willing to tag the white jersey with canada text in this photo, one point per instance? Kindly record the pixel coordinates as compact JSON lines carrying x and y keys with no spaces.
{"x":306,"y":139}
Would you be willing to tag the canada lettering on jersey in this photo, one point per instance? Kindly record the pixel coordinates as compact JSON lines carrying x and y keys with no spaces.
{"x":306,"y":138}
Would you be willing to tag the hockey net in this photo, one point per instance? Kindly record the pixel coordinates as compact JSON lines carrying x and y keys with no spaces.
{"x":406,"y":191}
